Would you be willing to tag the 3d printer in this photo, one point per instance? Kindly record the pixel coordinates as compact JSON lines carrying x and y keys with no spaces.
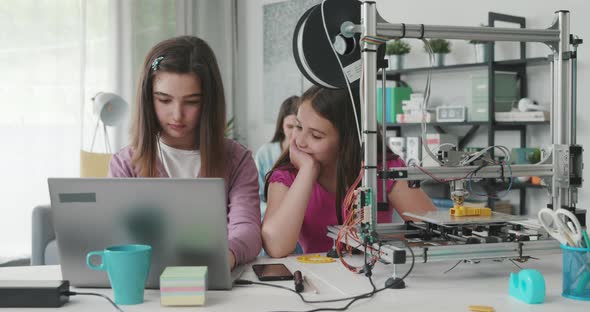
{"x":338,"y":44}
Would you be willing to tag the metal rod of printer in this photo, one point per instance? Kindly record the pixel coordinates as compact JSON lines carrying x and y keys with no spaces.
{"x":467,"y":33}
{"x":369,"y":79}
{"x":495,"y":171}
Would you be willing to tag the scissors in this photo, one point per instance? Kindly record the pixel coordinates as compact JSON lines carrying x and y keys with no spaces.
{"x":562,"y":225}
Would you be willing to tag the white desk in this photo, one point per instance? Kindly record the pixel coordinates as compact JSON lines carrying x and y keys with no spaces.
{"x":428,"y":289}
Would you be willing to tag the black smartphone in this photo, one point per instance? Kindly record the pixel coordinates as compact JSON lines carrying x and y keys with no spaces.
{"x":272,"y":272}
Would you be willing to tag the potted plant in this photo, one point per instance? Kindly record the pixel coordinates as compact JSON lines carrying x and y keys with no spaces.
{"x":395,"y":51}
{"x":480,"y":49}
{"x":440,"y":47}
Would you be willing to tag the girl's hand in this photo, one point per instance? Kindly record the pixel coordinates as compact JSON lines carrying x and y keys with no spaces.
{"x":302,"y":160}
{"x":232,"y":261}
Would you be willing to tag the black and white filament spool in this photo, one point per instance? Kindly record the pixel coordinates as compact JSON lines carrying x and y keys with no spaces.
{"x":311,"y":47}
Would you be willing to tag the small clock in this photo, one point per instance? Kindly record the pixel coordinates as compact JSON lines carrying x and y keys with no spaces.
{"x":450,"y":113}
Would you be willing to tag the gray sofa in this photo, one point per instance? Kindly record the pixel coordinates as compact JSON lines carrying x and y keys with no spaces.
{"x":44,"y":245}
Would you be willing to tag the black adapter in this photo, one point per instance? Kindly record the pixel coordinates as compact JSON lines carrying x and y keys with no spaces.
{"x":298,"y":277}
{"x":33,"y":294}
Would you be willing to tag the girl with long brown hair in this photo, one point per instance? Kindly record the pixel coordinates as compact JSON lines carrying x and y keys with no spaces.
{"x":178,"y":132}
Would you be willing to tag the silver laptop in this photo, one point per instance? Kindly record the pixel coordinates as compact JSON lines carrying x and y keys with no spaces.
{"x":184,"y":220}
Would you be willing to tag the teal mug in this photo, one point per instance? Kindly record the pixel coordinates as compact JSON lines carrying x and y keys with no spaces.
{"x":128,"y":267}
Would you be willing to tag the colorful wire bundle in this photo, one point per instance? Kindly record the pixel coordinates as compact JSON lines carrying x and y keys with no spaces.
{"x":376,"y":40}
{"x":348,"y":234}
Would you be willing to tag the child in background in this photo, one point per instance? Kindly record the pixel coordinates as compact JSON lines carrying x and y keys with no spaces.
{"x":268,"y":153}
{"x":308,"y":183}
{"x":178,"y":132}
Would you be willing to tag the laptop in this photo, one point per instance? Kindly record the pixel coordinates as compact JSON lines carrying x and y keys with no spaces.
{"x":184,"y":220}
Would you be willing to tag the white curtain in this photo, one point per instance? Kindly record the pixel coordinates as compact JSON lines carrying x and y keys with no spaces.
{"x":55,"y":56}
{"x":215,"y":22}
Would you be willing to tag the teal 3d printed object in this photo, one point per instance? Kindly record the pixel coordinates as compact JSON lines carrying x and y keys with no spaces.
{"x":528,"y":286}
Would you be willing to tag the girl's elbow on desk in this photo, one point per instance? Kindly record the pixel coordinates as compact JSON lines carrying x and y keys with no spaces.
{"x":276,"y":254}
{"x":276,"y":251}
{"x":273,"y":245}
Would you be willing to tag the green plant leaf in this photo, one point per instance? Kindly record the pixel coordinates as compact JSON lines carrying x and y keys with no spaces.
{"x":439,"y":46}
{"x":397,"y":47}
{"x":229,"y":127}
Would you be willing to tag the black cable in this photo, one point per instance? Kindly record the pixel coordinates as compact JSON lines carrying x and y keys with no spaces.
{"x":409,"y":270}
{"x":403,"y":31}
{"x":352,"y":298}
{"x":421,"y":31}
{"x":454,"y":266}
{"x":518,"y":266}
{"x":72,"y":293}
{"x":375,"y":290}
{"x":241,"y":282}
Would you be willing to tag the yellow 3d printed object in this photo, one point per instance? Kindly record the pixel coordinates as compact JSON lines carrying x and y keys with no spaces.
{"x":316,"y":258}
{"x":462,"y":211}
{"x":479,"y":308}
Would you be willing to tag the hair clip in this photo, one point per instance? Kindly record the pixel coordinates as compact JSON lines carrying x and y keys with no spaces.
{"x":156,"y":62}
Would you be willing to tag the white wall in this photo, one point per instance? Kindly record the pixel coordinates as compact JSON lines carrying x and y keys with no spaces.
{"x":539,"y":14}
{"x":249,"y":110}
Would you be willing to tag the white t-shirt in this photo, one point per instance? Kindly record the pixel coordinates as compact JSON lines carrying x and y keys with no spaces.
{"x":180,"y":163}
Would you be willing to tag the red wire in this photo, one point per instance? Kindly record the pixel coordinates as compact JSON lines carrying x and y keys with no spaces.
{"x":348,"y":229}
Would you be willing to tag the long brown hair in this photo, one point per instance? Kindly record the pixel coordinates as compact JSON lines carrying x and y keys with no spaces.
{"x":289,"y":107}
{"x":185,"y":54}
{"x":335,"y":106}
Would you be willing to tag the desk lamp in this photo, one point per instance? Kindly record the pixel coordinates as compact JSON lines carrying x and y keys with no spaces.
{"x":111,"y":110}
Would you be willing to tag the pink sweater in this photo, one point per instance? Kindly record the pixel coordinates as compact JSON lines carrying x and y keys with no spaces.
{"x":321,"y":210}
{"x":241,"y":185}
